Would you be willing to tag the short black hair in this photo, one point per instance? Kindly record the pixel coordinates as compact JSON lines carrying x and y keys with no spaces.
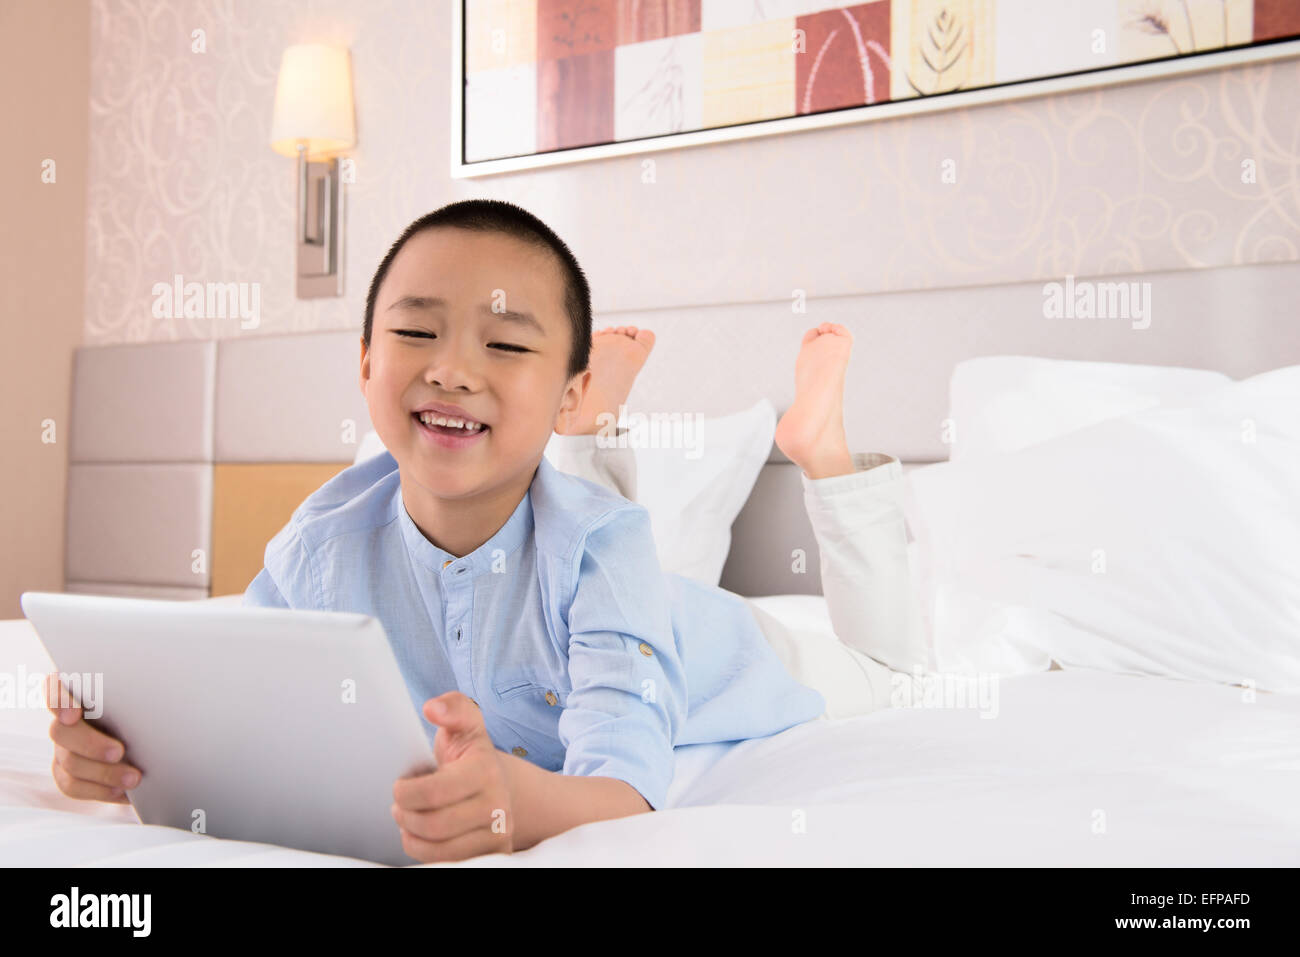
{"x":495,"y":215}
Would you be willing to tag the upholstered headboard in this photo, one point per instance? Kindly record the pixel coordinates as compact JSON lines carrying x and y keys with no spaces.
{"x":187,"y":457}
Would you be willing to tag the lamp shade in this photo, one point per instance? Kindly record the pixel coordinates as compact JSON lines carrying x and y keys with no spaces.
{"x":313,"y":102}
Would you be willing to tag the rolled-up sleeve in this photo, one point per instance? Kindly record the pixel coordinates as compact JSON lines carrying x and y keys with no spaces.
{"x":287,"y":580}
{"x":263,"y":592}
{"x":628,"y":699}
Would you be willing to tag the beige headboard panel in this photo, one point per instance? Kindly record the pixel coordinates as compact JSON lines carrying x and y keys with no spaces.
{"x":186,"y":457}
{"x":250,"y":503}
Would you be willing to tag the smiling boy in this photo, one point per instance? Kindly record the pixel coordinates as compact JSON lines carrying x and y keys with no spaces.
{"x":556,"y":664}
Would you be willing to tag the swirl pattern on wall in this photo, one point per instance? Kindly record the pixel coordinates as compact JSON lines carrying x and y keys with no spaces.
{"x":1183,"y":172}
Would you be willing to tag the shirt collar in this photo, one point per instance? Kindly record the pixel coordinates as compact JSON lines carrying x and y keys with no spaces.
{"x":507,"y":538}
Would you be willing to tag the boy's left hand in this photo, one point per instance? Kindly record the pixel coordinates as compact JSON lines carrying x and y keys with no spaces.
{"x":462,"y":809}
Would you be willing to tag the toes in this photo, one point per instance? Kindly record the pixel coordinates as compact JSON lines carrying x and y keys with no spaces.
{"x":827,"y":329}
{"x":644,"y":336}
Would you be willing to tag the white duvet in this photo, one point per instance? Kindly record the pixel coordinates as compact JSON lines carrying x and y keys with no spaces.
{"x":1078,"y":768}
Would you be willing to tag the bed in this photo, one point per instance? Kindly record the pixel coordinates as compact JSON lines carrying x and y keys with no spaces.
{"x":1082,"y":769}
{"x":1165,"y":735}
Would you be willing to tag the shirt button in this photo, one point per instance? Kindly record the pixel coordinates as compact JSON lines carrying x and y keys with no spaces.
{"x":518,"y":751}
{"x":645,"y":649}
{"x":550,"y":697}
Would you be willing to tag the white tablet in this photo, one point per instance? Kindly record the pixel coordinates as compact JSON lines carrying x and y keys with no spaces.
{"x":252,"y":724}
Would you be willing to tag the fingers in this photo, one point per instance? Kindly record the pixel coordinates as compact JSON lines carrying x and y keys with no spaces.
{"x":75,"y":787}
{"x":461,"y":732}
{"x":87,"y":762}
{"x":447,"y":823}
{"x":82,"y":739}
{"x":458,"y":810}
{"x":60,"y":700}
{"x":450,"y":784}
{"x":457,"y":848}
{"x":118,"y":775}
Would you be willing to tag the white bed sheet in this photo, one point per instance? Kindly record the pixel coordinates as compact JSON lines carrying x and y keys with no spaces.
{"x":1079,"y":768}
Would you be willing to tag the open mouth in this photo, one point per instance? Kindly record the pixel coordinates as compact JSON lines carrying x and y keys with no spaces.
{"x":449,"y":431}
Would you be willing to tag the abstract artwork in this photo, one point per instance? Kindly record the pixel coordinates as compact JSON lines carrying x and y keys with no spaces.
{"x":540,"y":77}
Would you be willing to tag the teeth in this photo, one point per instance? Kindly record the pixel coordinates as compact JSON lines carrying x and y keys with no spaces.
{"x":430,"y":418}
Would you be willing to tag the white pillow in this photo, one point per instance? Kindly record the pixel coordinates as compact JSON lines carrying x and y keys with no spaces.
{"x":1162,"y":542}
{"x":693,"y":493}
{"x":1004,"y":403}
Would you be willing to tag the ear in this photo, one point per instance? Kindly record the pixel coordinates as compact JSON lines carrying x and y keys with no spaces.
{"x":571,"y":402}
{"x":365,"y":365}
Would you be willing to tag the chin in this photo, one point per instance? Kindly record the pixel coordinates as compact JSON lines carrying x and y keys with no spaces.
{"x":447,"y":481}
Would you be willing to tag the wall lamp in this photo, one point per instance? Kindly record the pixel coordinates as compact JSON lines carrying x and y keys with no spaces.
{"x":314,"y":121}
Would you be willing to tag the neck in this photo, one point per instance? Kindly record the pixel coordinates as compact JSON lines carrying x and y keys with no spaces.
{"x":460,"y":525}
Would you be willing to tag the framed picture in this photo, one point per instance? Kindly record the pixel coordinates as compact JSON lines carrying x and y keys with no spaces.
{"x":544,"y":82}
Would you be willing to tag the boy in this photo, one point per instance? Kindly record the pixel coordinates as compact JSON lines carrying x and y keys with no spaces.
{"x":557,"y":666}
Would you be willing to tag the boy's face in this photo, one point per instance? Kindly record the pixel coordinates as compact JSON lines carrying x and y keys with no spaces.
{"x":461,"y":353}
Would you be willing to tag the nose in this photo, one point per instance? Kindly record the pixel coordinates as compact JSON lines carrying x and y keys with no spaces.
{"x":453,"y":365}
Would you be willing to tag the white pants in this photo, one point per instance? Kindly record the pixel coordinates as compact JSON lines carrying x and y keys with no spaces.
{"x":858,"y":522}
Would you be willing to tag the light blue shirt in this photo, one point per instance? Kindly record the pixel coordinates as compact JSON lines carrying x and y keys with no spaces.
{"x":583,"y":656}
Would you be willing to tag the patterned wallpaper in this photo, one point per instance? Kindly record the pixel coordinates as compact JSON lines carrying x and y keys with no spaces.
{"x":1186,"y":172}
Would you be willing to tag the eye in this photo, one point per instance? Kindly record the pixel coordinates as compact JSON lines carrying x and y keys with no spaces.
{"x":414,"y":334}
{"x":508,"y":347}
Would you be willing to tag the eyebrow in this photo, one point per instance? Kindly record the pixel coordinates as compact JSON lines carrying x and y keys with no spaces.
{"x":434,"y":302}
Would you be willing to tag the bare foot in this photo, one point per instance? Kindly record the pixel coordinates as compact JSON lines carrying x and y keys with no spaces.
{"x":811,"y":432}
{"x":617,"y":355}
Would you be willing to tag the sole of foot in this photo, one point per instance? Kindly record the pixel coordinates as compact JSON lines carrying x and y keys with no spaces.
{"x":811,"y":432}
{"x":617,"y":355}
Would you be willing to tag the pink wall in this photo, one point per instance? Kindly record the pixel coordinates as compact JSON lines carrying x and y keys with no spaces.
{"x":44,"y":92}
{"x":1134,"y":178}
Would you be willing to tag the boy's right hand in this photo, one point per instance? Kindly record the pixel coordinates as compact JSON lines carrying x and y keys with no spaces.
{"x":87,"y":763}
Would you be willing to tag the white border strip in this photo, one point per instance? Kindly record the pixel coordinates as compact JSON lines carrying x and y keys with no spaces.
{"x":1109,"y":76}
